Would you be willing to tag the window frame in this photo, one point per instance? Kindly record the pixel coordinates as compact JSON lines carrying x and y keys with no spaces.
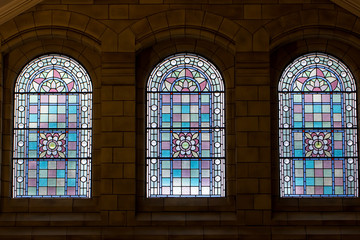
{"x":304,"y":60}
{"x":85,"y":75}
{"x":166,"y":208}
{"x":178,"y":60}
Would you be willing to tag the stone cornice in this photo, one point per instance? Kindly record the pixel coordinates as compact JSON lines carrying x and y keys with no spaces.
{"x":352,"y":6}
{"x":13,"y":8}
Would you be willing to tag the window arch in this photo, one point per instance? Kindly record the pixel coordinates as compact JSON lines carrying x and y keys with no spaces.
{"x":318,"y":129}
{"x":185,"y":129}
{"x":52,"y":129}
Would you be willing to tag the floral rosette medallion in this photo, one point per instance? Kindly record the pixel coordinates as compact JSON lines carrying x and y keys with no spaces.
{"x":318,"y":144}
{"x":52,"y":145}
{"x":186,"y":145}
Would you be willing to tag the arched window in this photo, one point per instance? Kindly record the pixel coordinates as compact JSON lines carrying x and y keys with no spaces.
{"x":52,"y":129}
{"x":185,"y":129}
{"x":318,"y":129}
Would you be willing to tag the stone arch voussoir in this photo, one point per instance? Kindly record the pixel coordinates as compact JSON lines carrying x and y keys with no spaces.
{"x":191,"y":23}
{"x":318,"y":23}
{"x":53,"y":24}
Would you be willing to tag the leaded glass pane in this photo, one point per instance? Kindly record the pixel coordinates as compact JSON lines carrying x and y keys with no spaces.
{"x":52,"y":129}
{"x":318,"y":129}
{"x":185,"y":129}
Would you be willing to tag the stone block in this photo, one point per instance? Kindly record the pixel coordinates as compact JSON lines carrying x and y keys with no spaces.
{"x":119,"y":11}
{"x":252,"y":11}
{"x":113,"y":171}
{"x":124,"y":186}
{"x":112,"y":139}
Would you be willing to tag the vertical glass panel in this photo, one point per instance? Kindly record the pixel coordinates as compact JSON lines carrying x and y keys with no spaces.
{"x":52,"y":129}
{"x":185,"y":129}
{"x":318,"y":129}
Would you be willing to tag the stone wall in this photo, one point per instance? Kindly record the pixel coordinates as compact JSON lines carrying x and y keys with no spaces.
{"x":119,"y":42}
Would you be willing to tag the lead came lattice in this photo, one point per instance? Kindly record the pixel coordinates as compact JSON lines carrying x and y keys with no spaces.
{"x":52,"y":129}
{"x":318,"y":129}
{"x":185,"y":129}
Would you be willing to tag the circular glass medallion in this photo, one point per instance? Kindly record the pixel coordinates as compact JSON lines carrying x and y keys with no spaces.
{"x":21,"y":125}
{"x":83,"y":179}
{"x":213,"y":76}
{"x":173,"y":62}
{"x":217,"y":144}
{"x":348,"y":107}
{"x":350,"y":160}
{"x":84,"y":125}
{"x":52,"y":145}
{"x":329,"y":63}
{"x":317,"y":60}
{"x":287,"y":178}
{"x":343,"y":74}
{"x":159,"y":73}
{"x":303,"y":62}
{"x":153,"y":161}
{"x":286,"y":161}
{"x":350,"y":143}
{"x":67,"y":64}
{"x":26,"y":75}
{"x":20,"y":161}
{"x":351,"y":178}
{"x":185,"y":145}
{"x":20,"y":179}
{"x":153,"y":125}
{"x":318,"y":144}
{"x":217,"y":110}
{"x":53,"y":61}
{"x":40,"y":64}
{"x":84,"y":143}
{"x":286,"y":143}
{"x":217,"y":161}
{"x":154,"y":107}
{"x":83,"y":161}
{"x":20,"y":143}
{"x":21,"y":108}
{"x":153,"y":178}
{"x":200,"y":64}
{"x":187,"y":60}
{"x":217,"y":178}
{"x":84,"y":108}
{"x":290,"y":74}
{"x":286,"y":108}
{"x":79,"y":74}
{"x":153,"y":143}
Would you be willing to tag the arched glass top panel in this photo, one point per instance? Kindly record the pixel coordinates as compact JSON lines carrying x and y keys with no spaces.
{"x":53,"y":73}
{"x":316,"y":72}
{"x":185,"y":73}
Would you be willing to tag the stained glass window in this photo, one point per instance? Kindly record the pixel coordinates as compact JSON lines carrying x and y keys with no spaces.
{"x":185,"y":129}
{"x":318,"y":129}
{"x":52,"y":129}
